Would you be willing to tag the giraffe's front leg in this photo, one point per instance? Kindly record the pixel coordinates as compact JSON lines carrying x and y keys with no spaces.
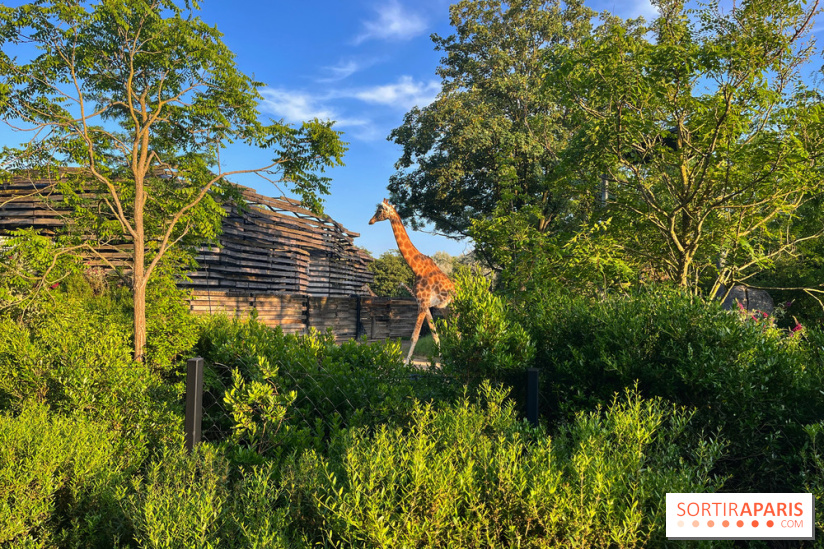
{"x":416,"y":333}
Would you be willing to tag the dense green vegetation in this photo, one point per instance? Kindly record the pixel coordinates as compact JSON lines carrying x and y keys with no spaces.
{"x":647,"y":385}
{"x":312,"y":442}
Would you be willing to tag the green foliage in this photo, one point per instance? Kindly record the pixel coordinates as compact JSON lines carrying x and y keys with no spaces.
{"x":186,"y":501}
{"x":76,"y":357}
{"x":489,"y":142}
{"x":590,"y":261}
{"x":256,"y":517}
{"x":702,"y":128}
{"x":30,"y":266}
{"x":751,"y":382}
{"x":257,"y":408}
{"x":390,"y":271}
{"x":171,"y":329}
{"x":473,"y":475}
{"x":60,"y":481}
{"x":286,"y":392}
{"x":481,"y":340}
{"x":180,"y":503}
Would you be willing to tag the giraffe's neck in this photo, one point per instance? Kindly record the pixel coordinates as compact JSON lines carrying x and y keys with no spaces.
{"x":409,"y":252}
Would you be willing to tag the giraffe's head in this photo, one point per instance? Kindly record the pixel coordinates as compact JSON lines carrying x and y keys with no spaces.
{"x":384,"y":212}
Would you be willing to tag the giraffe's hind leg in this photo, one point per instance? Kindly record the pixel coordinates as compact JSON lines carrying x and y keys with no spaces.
{"x":415,"y":333}
{"x":431,"y":322}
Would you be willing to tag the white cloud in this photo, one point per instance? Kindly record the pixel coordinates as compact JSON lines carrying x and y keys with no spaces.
{"x":645,"y":9}
{"x":340,"y":71}
{"x":294,"y":106}
{"x":346,"y":68}
{"x":631,"y":9}
{"x":405,"y":93}
{"x":393,"y":22}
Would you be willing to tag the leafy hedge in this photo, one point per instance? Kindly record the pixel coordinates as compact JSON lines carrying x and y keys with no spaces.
{"x":755,"y":385}
{"x":474,"y":475}
{"x":59,"y":480}
{"x":278,"y":393}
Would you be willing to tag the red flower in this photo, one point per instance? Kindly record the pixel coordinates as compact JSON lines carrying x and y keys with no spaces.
{"x":797,"y":328}
{"x":741,"y":307}
{"x":54,"y":286}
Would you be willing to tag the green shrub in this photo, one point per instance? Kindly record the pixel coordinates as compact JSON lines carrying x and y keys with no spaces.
{"x":753,"y":383}
{"x":59,"y":479}
{"x":190,"y":501}
{"x":76,"y":358}
{"x":331,"y":386}
{"x":31,"y":267}
{"x":474,"y":475}
{"x":181,"y":501}
{"x":481,"y":340}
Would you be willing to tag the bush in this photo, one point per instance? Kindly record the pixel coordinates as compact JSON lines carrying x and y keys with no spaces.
{"x":751,"y":382}
{"x":189,"y":501}
{"x":481,"y":340}
{"x":78,"y":358}
{"x":473,"y":475}
{"x":181,"y":501}
{"x":253,"y":372}
{"x":59,"y":479}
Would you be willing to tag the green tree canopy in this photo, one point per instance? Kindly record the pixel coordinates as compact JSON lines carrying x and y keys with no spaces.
{"x":142,"y":95}
{"x":490,"y":141}
{"x":707,"y":137}
{"x":391,"y":271}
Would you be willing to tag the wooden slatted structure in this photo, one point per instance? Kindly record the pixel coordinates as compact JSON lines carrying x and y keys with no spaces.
{"x":272,"y":245}
{"x":276,"y":245}
{"x":377,"y":318}
{"x":293,"y":268}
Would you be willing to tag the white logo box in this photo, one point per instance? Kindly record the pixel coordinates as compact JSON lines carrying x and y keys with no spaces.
{"x":741,"y":516}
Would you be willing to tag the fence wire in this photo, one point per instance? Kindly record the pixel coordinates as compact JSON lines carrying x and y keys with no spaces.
{"x":325,"y":398}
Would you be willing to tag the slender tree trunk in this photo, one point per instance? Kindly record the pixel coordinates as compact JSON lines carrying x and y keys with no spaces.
{"x":139,"y":319}
{"x":140,"y":278}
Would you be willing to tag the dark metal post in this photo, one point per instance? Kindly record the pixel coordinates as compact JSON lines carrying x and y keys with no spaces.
{"x":307,"y":314}
{"x":532,"y":396}
{"x":194,"y":401}
{"x":358,"y":329}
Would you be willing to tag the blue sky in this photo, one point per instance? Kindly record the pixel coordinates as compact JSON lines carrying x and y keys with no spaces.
{"x":363,"y":63}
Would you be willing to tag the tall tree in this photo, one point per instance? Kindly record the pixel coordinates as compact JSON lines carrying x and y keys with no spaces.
{"x":391,"y":275}
{"x":706,"y":135}
{"x":489,"y":143}
{"x":143,"y":95}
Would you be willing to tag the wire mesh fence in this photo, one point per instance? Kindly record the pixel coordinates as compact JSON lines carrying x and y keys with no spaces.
{"x":221,"y":401}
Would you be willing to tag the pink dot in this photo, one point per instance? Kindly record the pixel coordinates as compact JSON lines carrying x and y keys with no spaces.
{"x":754,"y":523}
{"x":680,"y":523}
{"x":740,"y":523}
{"x":710,"y":523}
{"x":725,"y":523}
{"x":695,"y":523}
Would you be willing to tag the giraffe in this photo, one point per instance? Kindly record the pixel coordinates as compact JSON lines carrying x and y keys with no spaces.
{"x":432,"y":288}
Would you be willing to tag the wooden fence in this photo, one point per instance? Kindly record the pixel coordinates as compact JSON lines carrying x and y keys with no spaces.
{"x":349,"y":317}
